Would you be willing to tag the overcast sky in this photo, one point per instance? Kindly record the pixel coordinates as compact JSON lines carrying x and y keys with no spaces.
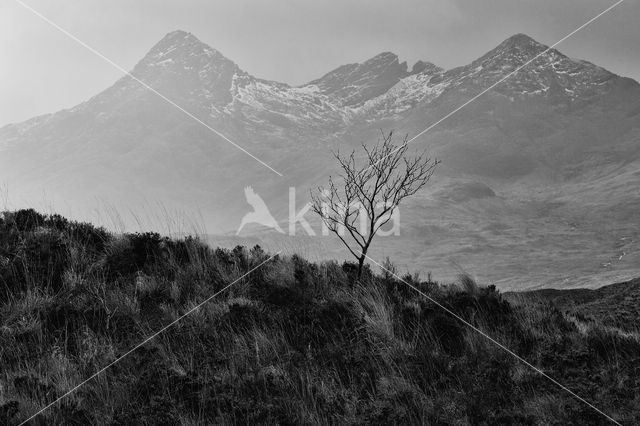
{"x":292,"y":41}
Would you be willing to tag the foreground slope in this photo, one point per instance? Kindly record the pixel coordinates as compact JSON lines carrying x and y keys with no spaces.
{"x":294,"y":342}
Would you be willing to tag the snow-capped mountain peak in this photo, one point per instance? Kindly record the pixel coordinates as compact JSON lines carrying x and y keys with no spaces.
{"x":525,"y":67}
{"x":354,"y":84}
{"x":520,"y":41}
{"x":203,"y":81}
{"x":180,"y":45}
{"x":382,"y":86}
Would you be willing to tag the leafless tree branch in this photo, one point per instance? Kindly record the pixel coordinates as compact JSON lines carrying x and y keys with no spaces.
{"x":370,"y":192}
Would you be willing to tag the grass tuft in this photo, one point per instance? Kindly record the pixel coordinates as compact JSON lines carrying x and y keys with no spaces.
{"x":295,"y":342}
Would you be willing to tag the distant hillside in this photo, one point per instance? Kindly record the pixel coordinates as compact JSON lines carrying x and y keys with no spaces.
{"x":615,"y":305}
{"x":286,"y":341}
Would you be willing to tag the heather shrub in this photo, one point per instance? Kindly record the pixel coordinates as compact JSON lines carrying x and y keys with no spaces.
{"x":40,"y":260}
{"x":293,"y":342}
{"x":25,"y":220}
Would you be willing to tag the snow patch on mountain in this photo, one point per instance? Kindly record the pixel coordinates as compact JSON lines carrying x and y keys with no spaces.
{"x":410,"y":91}
{"x":201,"y":79}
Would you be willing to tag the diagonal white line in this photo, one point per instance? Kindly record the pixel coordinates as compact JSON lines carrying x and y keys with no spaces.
{"x":124,"y":71}
{"x":509,"y":351}
{"x":372,"y":260}
{"x":154,"y":335}
{"x":449,"y":311}
{"x":511,"y":74}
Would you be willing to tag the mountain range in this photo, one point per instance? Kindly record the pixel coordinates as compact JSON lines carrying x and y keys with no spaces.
{"x":538,"y":184}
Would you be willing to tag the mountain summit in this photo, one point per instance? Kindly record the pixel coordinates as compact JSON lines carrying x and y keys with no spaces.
{"x":521,"y":41}
{"x":180,"y":64}
{"x":548,"y":72}
{"x":185,"y":49}
{"x":353,"y":84}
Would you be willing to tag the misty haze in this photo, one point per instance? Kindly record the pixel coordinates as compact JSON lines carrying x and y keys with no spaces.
{"x":393,"y":241}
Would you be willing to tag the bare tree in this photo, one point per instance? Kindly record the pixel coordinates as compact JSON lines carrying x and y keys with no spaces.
{"x":369,"y":193}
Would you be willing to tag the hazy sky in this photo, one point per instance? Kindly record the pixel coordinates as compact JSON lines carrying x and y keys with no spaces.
{"x":292,"y":41}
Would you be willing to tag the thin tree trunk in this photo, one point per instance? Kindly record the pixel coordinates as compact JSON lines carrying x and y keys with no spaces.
{"x":360,"y":264}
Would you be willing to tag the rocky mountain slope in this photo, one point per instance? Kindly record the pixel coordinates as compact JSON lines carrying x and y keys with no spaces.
{"x":538,"y":174}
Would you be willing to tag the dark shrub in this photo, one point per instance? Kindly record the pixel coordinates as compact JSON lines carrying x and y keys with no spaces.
{"x":151,"y":300}
{"x":609,"y":344}
{"x":328,"y":322}
{"x":492,"y":394}
{"x":41,"y":260}
{"x":398,"y":407}
{"x":57,"y":222}
{"x":241,"y":257}
{"x":32,"y":386}
{"x":244,"y":317}
{"x":156,"y":410}
{"x":304,"y":273}
{"x":224,"y":256}
{"x":8,"y":412}
{"x":284,"y":296}
{"x":88,"y":236}
{"x":138,"y":252}
{"x":257,"y":254}
{"x":405,"y":289}
{"x":351,"y":269}
{"x":26,"y":220}
{"x":147,"y":248}
{"x":69,"y":413}
{"x":188,"y":250}
{"x":236,"y":258}
{"x":446,"y":329}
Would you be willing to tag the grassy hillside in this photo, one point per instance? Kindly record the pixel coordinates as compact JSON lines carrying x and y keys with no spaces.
{"x":616,"y":305}
{"x":291,"y":343}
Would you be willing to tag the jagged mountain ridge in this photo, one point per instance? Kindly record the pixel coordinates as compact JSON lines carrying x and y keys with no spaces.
{"x":357,"y":90}
{"x":564,"y":125}
{"x":203,"y":79}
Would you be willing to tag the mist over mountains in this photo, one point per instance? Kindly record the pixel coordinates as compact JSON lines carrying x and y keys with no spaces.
{"x":540,"y":175}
